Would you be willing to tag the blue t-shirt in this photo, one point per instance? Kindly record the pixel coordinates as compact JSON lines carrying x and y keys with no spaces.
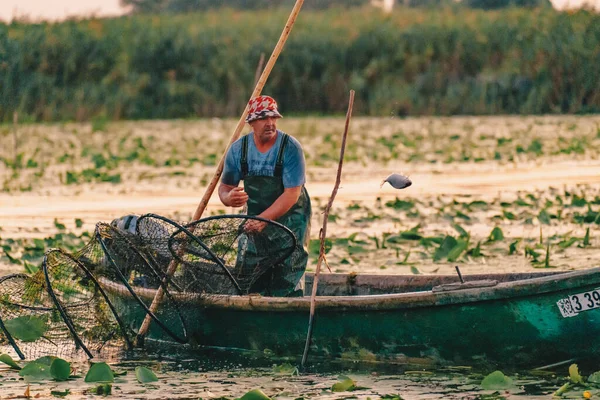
{"x":263,"y":164}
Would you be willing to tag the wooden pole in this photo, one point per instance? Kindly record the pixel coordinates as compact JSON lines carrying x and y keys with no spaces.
{"x":323,"y":232}
{"x":236,"y":134}
{"x":259,"y":67}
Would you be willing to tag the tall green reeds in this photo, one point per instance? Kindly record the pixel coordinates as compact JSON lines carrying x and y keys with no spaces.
{"x":415,"y":61}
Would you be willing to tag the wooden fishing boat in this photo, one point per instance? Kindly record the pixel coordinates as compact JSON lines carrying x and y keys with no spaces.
{"x":513,"y":319}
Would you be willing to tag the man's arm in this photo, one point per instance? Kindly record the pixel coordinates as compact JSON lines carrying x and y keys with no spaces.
{"x":232,"y":196}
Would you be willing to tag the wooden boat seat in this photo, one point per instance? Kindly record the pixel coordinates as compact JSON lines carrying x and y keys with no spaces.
{"x":466,"y":285}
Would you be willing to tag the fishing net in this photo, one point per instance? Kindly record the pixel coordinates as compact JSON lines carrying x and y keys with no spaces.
{"x":249,"y":256}
{"x":29,"y":321}
{"x":92,"y":303}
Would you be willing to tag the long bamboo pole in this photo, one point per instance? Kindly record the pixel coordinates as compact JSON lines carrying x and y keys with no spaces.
{"x":323,"y":232}
{"x":215,"y":180}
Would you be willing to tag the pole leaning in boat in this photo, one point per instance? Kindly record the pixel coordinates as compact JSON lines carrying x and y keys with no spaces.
{"x":215,"y":180}
{"x":323,"y":232}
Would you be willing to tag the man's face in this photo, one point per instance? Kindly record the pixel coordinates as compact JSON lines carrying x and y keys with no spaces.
{"x":265,"y":129}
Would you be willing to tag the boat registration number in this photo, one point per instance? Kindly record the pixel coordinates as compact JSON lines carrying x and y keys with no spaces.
{"x":576,"y":303}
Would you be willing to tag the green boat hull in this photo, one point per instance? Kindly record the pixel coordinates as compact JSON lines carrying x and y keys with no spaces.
{"x":493,"y":320}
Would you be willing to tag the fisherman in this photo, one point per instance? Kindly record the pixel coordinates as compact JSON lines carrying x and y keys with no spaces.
{"x":271,"y":164}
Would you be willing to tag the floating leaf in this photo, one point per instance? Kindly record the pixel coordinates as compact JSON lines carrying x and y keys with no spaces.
{"x":346,"y":384}
{"x":522,"y":203}
{"x":100,"y":372}
{"x":60,"y":369}
{"x":46,"y":360}
{"x":356,"y":250}
{"x":60,"y":226}
{"x":512,"y":248}
{"x":27,"y":328}
{"x":477,"y":204}
{"x":30,"y":268}
{"x":544,"y":218}
{"x":446,"y":246}
{"x":35,"y":371}
{"x":415,"y":270}
{"x":6,"y":359}
{"x":461,"y":231}
{"x":398,"y":204}
{"x":565,"y":244}
{"x":508,"y":215}
{"x":475,"y":251}
{"x":463,"y":216}
{"x":144,"y":375}
{"x":58,"y":393}
{"x":532,"y":253}
{"x":574,"y":374}
{"x":410,"y":235}
{"x":314,"y":246}
{"x":497,"y":381}
{"x":461,"y":245}
{"x":594,"y":378}
{"x":496,"y":235}
{"x":255,"y":394}
{"x":102,"y":390}
{"x":285,"y":369}
{"x":78,"y":222}
{"x":577,"y":201}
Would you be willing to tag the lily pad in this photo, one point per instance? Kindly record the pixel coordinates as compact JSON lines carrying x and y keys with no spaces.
{"x":594,"y":378}
{"x":445,"y":248}
{"x":58,"y":393}
{"x":102,"y":390}
{"x":35,"y":371}
{"x":497,"y":381}
{"x":544,"y":218}
{"x":6,"y":359}
{"x":27,"y":328}
{"x":144,"y":375}
{"x":496,"y":235}
{"x":461,"y":231}
{"x":60,"y":369}
{"x":461,"y":245}
{"x":100,"y":372}
{"x":46,"y":360}
{"x":345,"y":385}
{"x":255,"y":394}
{"x":285,"y":369}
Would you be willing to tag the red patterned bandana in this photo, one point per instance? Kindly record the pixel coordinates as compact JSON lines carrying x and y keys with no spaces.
{"x":262,"y":107}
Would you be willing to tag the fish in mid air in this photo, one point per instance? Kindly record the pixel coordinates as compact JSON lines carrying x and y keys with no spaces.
{"x":397,"y":181}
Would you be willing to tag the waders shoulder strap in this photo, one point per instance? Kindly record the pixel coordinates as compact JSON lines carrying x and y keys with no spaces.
{"x":244,"y":160}
{"x":279,"y":164}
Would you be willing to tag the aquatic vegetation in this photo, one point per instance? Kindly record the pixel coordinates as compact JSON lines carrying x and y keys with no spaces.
{"x":145,"y":375}
{"x":497,"y":381}
{"x":100,"y":372}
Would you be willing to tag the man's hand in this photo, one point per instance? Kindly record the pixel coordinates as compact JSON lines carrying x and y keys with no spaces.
{"x":236,"y":197}
{"x":254,"y":226}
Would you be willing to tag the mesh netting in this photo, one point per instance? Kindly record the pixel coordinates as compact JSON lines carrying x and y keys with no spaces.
{"x":248,"y":256}
{"x":83,"y":305}
{"x":93,"y":303}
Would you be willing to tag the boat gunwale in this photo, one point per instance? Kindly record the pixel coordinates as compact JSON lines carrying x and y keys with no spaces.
{"x":503,"y":290}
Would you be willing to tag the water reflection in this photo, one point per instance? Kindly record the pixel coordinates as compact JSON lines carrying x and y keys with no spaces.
{"x":221,"y":373}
